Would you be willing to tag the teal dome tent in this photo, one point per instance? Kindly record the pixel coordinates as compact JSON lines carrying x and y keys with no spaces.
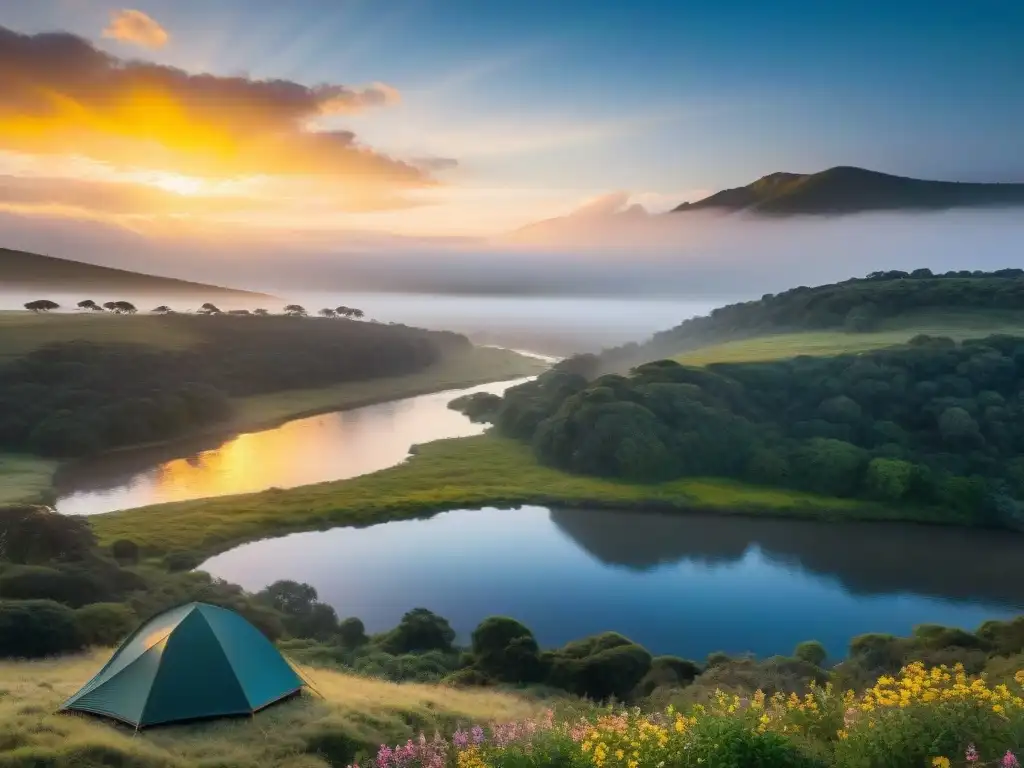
{"x":192,"y":662}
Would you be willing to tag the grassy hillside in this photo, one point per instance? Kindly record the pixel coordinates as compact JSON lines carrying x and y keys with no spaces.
{"x":844,"y":190}
{"x":859,"y":314}
{"x":23,"y":270}
{"x":447,"y":474}
{"x":21,"y":332}
{"x":952,"y":323}
{"x":356,"y":714}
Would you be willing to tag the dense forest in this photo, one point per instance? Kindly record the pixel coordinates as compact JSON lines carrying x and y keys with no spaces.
{"x":858,"y":305}
{"x":61,"y":593}
{"x":74,"y":398}
{"x":931,"y":423}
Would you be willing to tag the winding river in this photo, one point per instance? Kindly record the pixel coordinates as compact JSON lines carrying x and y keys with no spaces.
{"x":680,"y":584}
{"x":332,"y":446}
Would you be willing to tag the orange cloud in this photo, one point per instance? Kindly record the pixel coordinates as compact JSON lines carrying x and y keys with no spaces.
{"x":135,"y":27}
{"x":59,"y":95}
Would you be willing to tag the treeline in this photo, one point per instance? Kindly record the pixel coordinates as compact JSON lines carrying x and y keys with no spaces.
{"x":855,"y":305}
{"x":931,"y":423}
{"x":61,"y":594}
{"x":75,"y":398}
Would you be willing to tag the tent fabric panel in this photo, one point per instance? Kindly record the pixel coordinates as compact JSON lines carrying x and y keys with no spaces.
{"x":264,"y":674}
{"x":144,"y":638}
{"x":195,"y":679}
{"x":122,"y":696}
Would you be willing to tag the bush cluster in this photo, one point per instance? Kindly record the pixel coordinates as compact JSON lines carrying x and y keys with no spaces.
{"x":76,"y":398}
{"x":932,"y":423}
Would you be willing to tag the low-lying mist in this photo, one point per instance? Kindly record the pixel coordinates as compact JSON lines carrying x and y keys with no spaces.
{"x":581,"y":282}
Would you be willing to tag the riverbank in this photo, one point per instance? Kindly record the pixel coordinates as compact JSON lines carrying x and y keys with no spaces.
{"x":29,"y":479}
{"x":471,"y":472}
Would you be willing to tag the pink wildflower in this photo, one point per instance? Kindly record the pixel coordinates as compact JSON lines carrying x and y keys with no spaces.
{"x":478,"y":734}
{"x":971,"y":754}
{"x":384,"y":756}
{"x":460,"y":739}
{"x":1009,"y":760}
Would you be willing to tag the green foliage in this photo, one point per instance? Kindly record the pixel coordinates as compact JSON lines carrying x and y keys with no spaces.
{"x":857,"y":305}
{"x":125,"y":551}
{"x":603,"y":667}
{"x":74,"y":588}
{"x":506,"y":650}
{"x":352,"y":633}
{"x":37,"y":628}
{"x":37,"y":534}
{"x":730,"y":743}
{"x":927,"y":424}
{"x":180,"y":561}
{"x":419,"y":630}
{"x":829,"y":466}
{"x":74,"y":397}
{"x":304,"y":615}
{"x":479,"y":406}
{"x":888,"y":479}
{"x":105,"y":623}
{"x":812,"y":652}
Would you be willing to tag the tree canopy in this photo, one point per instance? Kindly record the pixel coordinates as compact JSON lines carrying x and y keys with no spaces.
{"x":933,"y":423}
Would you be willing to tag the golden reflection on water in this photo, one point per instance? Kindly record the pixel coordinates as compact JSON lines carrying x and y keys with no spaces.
{"x":333,"y":446}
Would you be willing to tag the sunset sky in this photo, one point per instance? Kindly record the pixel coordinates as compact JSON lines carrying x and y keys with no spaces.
{"x":469,"y":117}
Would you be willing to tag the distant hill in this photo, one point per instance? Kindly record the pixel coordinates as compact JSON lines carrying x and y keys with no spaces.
{"x":844,"y":190}
{"x":608,"y":217}
{"x":23,"y":270}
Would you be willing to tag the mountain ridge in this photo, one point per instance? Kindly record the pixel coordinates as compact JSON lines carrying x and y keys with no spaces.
{"x":848,"y":189}
{"x":27,"y":270}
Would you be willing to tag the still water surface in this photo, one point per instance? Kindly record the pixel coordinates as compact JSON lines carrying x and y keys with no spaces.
{"x":333,"y":446}
{"x":681,"y":584}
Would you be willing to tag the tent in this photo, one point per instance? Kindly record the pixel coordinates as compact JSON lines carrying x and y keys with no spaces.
{"x":192,"y":662}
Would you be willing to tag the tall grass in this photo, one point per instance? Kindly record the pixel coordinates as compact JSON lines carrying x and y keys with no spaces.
{"x":355,"y":715}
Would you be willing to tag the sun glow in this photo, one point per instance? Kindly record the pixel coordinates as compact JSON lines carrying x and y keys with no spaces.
{"x":173,"y":182}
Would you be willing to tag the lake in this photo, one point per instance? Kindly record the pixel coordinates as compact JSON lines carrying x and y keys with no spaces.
{"x":332,"y":446}
{"x":680,"y":584}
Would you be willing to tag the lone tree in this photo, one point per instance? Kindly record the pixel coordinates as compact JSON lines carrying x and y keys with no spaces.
{"x":121,"y":307}
{"x":349,"y":312}
{"x":295,"y":310}
{"x":327,"y":312}
{"x":90,"y":305}
{"x":261,"y":312}
{"x":42,"y":305}
{"x":163,"y":309}
{"x":209,"y":309}
{"x":356,"y":313}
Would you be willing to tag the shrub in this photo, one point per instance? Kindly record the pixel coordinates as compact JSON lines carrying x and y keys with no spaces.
{"x":125,"y":551}
{"x":175,"y":562}
{"x":419,"y":630}
{"x":812,"y":652}
{"x":37,"y":628}
{"x":105,"y":623}
{"x":36,"y":534}
{"x":608,"y":673}
{"x":352,"y":633}
{"x":505,"y":649}
{"x":38,"y":583}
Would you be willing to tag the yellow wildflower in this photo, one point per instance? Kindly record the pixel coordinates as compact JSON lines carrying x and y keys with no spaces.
{"x":940,"y":762}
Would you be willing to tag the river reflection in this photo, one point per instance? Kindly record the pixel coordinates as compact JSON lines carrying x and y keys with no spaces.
{"x":683,"y":584}
{"x":333,"y":446}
